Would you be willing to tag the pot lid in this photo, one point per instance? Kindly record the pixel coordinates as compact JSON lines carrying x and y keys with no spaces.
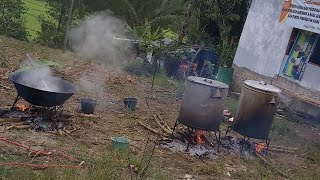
{"x":208,"y":82}
{"x":262,"y":86}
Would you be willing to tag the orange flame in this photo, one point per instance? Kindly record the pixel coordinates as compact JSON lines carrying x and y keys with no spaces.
{"x":260,"y":147}
{"x":22,"y":107}
{"x":198,"y":137}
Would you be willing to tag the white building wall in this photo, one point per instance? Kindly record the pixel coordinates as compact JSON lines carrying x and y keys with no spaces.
{"x":311,"y":77}
{"x":264,"y":40}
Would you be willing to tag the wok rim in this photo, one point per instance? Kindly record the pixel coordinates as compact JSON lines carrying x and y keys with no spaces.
{"x":75,"y":87}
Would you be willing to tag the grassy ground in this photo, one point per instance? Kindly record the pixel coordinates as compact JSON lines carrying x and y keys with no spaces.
{"x":91,"y":140}
{"x":35,"y":9}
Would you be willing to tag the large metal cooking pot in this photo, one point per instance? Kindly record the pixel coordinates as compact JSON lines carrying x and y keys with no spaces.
{"x":257,"y":106}
{"x":59,"y":90}
{"x":202,"y":103}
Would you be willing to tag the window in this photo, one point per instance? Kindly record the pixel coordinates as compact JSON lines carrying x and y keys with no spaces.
{"x":315,"y":55}
{"x":292,"y":39}
{"x":300,"y":49}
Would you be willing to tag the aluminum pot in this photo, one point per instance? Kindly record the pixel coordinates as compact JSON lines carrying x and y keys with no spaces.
{"x":256,"y":109}
{"x":202,"y":103}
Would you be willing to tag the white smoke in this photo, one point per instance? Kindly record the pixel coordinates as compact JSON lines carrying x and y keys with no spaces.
{"x":41,"y":77}
{"x":101,"y":37}
{"x":96,"y":37}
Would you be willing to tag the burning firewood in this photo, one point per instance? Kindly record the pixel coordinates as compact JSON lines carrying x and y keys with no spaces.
{"x":200,"y":137}
{"x":22,"y":107}
{"x":260,"y":147}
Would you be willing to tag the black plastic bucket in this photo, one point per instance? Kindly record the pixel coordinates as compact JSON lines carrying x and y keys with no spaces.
{"x":130,"y":103}
{"x":88,"y":106}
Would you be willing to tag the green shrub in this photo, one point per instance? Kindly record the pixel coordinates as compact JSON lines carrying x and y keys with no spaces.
{"x":12,"y":23}
{"x":139,"y":67}
{"x":49,"y":34}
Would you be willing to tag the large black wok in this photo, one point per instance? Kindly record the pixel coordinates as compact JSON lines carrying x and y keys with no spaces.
{"x":29,"y":87}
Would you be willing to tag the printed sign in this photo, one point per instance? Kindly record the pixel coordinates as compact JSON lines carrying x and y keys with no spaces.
{"x":299,"y":55}
{"x":302,"y":14}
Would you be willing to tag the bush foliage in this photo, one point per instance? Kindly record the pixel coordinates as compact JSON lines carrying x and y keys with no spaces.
{"x":12,"y":23}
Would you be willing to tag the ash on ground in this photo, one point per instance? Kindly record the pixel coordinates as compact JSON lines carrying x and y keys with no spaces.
{"x":197,"y":150}
{"x":39,"y":118}
{"x":228,"y":145}
{"x":237,"y":146}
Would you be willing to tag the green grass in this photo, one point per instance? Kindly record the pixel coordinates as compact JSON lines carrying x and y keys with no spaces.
{"x":232,"y":104}
{"x":107,"y":165}
{"x":161,"y":79}
{"x":35,"y":9}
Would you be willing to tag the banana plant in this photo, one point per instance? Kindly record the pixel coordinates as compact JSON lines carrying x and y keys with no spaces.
{"x":151,"y":43}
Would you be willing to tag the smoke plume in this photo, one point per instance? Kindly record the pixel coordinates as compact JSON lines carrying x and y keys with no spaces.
{"x":96,"y":37}
{"x":41,"y":77}
{"x":101,"y":37}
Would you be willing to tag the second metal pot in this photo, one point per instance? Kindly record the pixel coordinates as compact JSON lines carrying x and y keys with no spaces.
{"x":257,"y":106}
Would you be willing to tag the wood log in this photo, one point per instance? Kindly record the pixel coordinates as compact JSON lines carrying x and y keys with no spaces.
{"x":64,"y":132}
{"x":24,"y":126}
{"x":86,"y":115}
{"x":282,"y":147}
{"x":14,"y":125}
{"x":44,"y":152}
{"x":9,"y":120}
{"x":160,"y":125}
{"x":281,"y":150}
{"x":150,"y":129}
{"x":156,"y":119}
{"x":164,"y":123}
{"x":39,"y":166}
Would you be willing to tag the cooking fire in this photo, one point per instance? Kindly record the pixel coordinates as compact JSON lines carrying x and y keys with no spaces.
{"x":46,"y":95}
{"x":202,"y":113}
{"x":34,"y":117}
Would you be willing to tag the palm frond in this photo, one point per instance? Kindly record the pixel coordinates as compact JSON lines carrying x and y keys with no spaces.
{"x":168,"y":18}
{"x":132,"y":9}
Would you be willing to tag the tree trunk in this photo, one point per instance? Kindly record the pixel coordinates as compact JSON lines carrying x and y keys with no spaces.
{"x":68,"y":25}
{"x":185,"y":24}
{"x":61,"y":14}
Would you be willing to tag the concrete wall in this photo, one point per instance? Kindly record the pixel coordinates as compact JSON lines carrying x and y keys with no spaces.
{"x":311,"y":78}
{"x":264,"y":40}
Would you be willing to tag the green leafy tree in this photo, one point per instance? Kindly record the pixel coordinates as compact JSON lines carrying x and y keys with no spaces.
{"x":53,"y":27}
{"x":12,"y":23}
{"x":218,"y":18}
{"x":163,"y":13}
